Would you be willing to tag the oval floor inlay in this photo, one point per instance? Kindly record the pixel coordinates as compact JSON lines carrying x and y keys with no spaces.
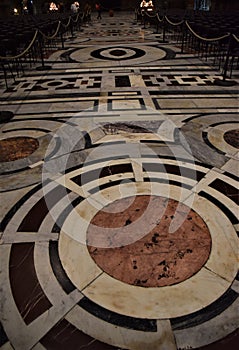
{"x":17,"y":148}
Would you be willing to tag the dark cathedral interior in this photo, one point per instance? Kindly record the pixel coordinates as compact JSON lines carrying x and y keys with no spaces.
{"x":119,"y":159}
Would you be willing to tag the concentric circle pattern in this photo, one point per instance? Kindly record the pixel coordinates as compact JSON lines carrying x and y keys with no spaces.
{"x":118,"y":53}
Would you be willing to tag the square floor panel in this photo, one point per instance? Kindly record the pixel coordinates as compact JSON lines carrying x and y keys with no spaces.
{"x":125,"y":105}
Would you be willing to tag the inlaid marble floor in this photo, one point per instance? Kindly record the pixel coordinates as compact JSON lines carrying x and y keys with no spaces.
{"x":119,"y":198}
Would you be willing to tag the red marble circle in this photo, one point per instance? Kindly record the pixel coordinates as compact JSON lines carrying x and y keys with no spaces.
{"x":159,"y":257}
{"x":16,"y":148}
{"x":232,"y":138}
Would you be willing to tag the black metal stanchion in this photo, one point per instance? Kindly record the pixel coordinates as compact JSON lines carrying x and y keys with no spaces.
{"x":72,"y":26}
{"x":224,"y":81}
{"x":62,"y":41}
{"x":43,"y":66}
{"x":164,"y":29}
{"x":5,"y":75}
{"x":71,"y":29}
{"x":157,"y":26}
{"x":183,"y":37}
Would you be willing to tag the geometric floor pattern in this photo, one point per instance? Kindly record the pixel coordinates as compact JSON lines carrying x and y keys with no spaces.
{"x":119,"y":198}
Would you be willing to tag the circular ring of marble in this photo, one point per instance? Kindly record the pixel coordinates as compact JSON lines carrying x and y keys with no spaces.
{"x":224,"y":137}
{"x":204,"y":287}
{"x":54,"y":84}
{"x":143,"y":54}
{"x":118,"y":53}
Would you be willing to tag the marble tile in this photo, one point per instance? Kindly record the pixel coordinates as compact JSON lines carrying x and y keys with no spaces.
{"x":216,"y":138}
{"x":232,"y":166}
{"x":123,"y":337}
{"x":176,"y":103}
{"x":158,"y":302}
{"x":71,"y":251}
{"x":222,"y":262}
{"x":210,"y":331}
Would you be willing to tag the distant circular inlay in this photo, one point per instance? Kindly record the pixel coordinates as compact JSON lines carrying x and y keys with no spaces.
{"x":117,"y":52}
{"x":160,"y":258}
{"x":232,"y":138}
{"x":16,"y":148}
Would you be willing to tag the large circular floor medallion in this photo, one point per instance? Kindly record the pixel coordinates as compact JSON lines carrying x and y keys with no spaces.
{"x":161,"y":257}
{"x":118,"y":53}
{"x":232,"y":138}
{"x":16,"y":148}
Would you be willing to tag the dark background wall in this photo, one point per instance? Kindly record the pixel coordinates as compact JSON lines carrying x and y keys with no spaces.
{"x":6,"y":6}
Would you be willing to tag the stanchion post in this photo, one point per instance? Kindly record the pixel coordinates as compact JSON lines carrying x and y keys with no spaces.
{"x":183,"y":37}
{"x":41,"y":51}
{"x":224,"y":81}
{"x":5,"y":75}
{"x":43,"y":66}
{"x":225,"y":67}
{"x":71,"y":28}
{"x":157,"y":24}
{"x":164,"y":28}
{"x":62,"y":41}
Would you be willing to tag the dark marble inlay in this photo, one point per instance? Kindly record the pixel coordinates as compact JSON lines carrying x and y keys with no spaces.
{"x":232,"y":176}
{"x":26,"y":290}
{"x":122,"y":81}
{"x":115,"y":128}
{"x":205,"y":314}
{"x":58,"y":270}
{"x":173,"y":169}
{"x":157,"y":257}
{"x":6,"y":116}
{"x":234,"y":220}
{"x":232,"y":138}
{"x":3,"y":336}
{"x":66,"y":336}
{"x":110,"y":184}
{"x":17,"y":148}
{"x":139,"y":324}
{"x":99,"y":160}
{"x":16,"y":207}
{"x":230,"y":342}
{"x":168,"y":181}
{"x":227,"y":189}
{"x":102,"y":172}
{"x":22,"y":129}
{"x":33,"y":219}
{"x":117,"y":52}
